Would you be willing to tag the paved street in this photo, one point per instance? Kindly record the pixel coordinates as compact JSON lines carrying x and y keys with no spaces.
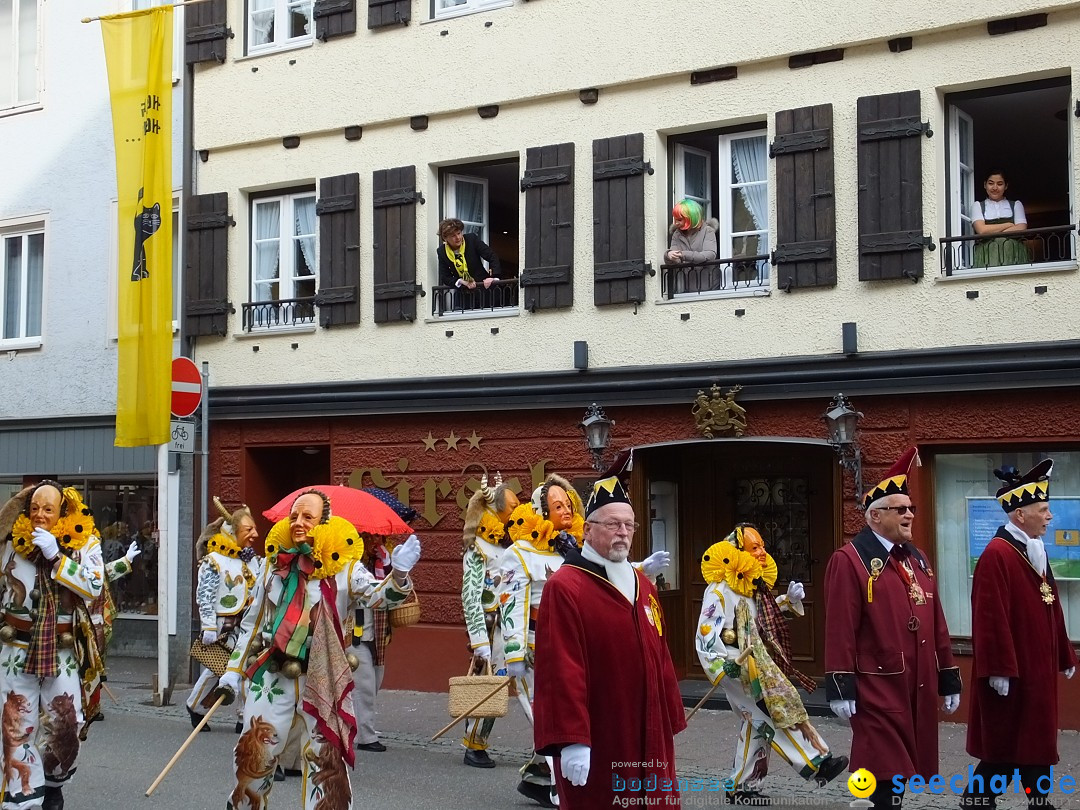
{"x":125,"y":753}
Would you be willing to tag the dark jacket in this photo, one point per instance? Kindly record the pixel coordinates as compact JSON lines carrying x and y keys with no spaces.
{"x":475,"y":250}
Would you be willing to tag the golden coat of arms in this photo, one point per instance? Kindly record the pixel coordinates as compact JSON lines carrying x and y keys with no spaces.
{"x":719,"y":413}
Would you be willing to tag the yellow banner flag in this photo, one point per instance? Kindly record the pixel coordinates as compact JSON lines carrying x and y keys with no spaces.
{"x":138,"y":55}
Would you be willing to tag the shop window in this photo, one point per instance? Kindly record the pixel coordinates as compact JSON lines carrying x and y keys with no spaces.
{"x":664,"y":529}
{"x":727,"y":173}
{"x":283,"y":261}
{"x":122,"y":513}
{"x":484,"y":196}
{"x":20,"y":54}
{"x":22,"y":263}
{"x":277,"y":24}
{"x":966,"y":515}
{"x":1022,"y":130}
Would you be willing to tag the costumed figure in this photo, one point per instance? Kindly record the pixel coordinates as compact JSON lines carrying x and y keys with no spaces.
{"x":887,"y":646}
{"x":739,"y":612}
{"x":552,"y":519}
{"x":291,"y":652}
{"x":1019,"y":645}
{"x":484,"y":538}
{"x":607,"y":701}
{"x":228,"y":570}
{"x":49,"y":661}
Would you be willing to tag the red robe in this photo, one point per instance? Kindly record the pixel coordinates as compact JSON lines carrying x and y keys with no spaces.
{"x":1015,"y":634}
{"x":604,"y":678}
{"x":893,"y":673}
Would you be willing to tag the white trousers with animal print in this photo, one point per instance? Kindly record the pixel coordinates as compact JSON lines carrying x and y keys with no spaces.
{"x":271,"y":705}
{"x":41,"y":721}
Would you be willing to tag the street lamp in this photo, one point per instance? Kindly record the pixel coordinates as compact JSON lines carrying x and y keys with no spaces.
{"x":842,"y":420}
{"x":597,"y":429}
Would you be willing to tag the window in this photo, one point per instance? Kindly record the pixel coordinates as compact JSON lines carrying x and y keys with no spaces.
{"x":966,"y":515}
{"x":485,"y":197}
{"x":664,"y":529}
{"x":726,"y":172}
{"x":178,"y":31}
{"x":1022,"y":130}
{"x":452,"y":8}
{"x":283,"y":261}
{"x":18,"y":53}
{"x":274,"y":24}
{"x":21,"y":276}
{"x":124,"y":512}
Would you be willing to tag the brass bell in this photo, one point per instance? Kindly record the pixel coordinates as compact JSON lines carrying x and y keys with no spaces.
{"x":257,"y":644}
{"x":67,"y":640}
{"x":292,"y":669}
{"x":35,"y":595}
{"x":252,"y":659}
{"x":354,"y":662}
{"x":274,"y":665}
{"x":728,"y":637}
{"x":7,"y":633}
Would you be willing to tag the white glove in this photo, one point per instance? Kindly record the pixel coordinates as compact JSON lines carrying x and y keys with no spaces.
{"x":405,"y":556}
{"x":654,"y":564}
{"x":133,"y":552}
{"x":229,"y":683}
{"x":1000,"y":685}
{"x":44,"y":540}
{"x":796,"y":592}
{"x":483,"y":651}
{"x":952,"y":703}
{"x":209,"y":636}
{"x":575,"y":763}
{"x":842,"y":708}
{"x":516,"y":669}
{"x":1070,"y":672}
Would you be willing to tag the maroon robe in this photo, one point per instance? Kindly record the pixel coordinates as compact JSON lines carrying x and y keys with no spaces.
{"x":1015,"y":635}
{"x":604,"y":679}
{"x":893,"y":673}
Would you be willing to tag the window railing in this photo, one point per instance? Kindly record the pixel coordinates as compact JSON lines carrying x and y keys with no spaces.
{"x":282,"y":312}
{"x":1011,"y":249}
{"x":503,"y":294}
{"x":718,"y":275}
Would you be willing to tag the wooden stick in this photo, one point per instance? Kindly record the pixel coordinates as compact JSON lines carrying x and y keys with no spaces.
{"x":108,"y":692}
{"x":742,"y":657}
{"x":471,"y":709}
{"x":187,"y":742}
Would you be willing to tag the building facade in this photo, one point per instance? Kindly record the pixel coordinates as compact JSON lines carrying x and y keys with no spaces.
{"x":841,"y":162}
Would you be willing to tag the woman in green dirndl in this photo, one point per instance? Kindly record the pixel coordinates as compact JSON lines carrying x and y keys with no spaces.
{"x":997,"y":215}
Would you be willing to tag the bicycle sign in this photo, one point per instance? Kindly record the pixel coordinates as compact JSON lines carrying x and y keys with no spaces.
{"x":182,"y":436}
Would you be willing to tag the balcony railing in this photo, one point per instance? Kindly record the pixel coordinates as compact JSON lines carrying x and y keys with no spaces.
{"x":1033,"y":246}
{"x":503,"y":294}
{"x":283,"y":312}
{"x":719,"y":275}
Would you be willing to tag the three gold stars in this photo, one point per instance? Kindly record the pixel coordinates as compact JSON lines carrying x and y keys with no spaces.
{"x":452,"y":441}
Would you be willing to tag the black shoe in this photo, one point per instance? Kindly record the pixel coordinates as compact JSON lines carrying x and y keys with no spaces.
{"x":239,"y":726}
{"x":541,"y":794}
{"x":54,"y":799}
{"x":478,"y":759}
{"x":748,"y":798}
{"x":374,"y":746}
{"x":196,"y":718}
{"x":830,"y":768}
{"x":98,"y":718}
{"x":279,"y":774}
{"x":293,"y":772}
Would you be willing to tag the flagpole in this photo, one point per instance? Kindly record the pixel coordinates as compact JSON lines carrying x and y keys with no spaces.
{"x":144,"y":10}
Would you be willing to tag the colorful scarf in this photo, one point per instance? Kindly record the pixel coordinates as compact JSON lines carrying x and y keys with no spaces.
{"x":772,"y":627}
{"x":291,"y":628}
{"x":328,"y":690}
{"x":458,"y":260}
{"x":41,"y":657}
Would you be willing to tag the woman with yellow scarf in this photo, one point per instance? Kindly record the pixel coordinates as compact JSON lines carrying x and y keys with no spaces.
{"x":461,"y":266}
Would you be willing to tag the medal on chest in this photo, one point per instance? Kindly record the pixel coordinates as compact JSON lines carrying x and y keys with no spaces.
{"x":652,"y":613}
{"x":1047,"y":592}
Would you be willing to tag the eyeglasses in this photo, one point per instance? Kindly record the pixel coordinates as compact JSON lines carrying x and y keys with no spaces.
{"x":614,"y":525}
{"x":900,"y":510}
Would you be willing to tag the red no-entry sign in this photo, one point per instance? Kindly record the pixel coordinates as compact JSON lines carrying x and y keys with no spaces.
{"x":186,"y":387}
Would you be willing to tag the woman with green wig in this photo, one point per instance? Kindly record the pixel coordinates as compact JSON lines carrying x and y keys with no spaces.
{"x":693,"y":241}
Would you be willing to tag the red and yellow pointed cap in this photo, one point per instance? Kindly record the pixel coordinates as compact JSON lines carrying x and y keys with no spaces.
{"x":895,"y":481}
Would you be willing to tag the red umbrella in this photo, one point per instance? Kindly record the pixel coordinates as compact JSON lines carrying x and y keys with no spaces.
{"x":366,"y":512}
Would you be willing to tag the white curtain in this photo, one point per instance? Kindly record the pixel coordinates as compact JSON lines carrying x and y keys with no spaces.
{"x":305,"y":231}
{"x":262,"y":21}
{"x":267,"y":249}
{"x":749,"y":162}
{"x":469,"y":199}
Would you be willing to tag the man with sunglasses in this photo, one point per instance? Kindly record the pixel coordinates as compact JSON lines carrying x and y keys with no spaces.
{"x":887,"y":648}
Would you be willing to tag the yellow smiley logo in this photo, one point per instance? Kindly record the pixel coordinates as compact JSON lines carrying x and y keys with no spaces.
{"x":861,"y":783}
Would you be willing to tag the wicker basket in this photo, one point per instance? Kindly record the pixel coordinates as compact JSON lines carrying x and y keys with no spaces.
{"x":465,"y":690}
{"x":407,"y":613}
{"x":215,"y":657}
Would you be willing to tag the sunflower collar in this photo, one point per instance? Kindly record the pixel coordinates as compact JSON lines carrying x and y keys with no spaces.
{"x":334,"y":545}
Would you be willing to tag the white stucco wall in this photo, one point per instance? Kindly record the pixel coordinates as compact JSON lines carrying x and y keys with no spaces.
{"x":372,"y":80}
{"x":58,"y":164}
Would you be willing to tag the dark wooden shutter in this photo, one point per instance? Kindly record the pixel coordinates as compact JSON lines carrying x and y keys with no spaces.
{"x":619,"y":265}
{"x":334,"y":18}
{"x":388,"y":12}
{"x":548,"y":183}
{"x":891,"y":240}
{"x":205,"y":31}
{"x":805,"y":254}
{"x":206,"y":277}
{"x":339,"y":250}
{"x":394,"y":226}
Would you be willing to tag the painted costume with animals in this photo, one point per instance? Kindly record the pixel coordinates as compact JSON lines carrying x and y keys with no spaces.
{"x":53,"y":572}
